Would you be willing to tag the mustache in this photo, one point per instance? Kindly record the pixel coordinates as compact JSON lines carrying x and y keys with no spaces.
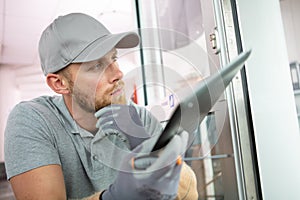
{"x":118,"y":86}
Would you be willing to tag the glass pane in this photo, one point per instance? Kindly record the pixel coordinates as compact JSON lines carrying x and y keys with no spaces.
{"x":291,"y":19}
{"x":176,"y":35}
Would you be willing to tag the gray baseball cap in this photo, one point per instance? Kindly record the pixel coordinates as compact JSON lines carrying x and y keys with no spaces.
{"x":76,"y":38}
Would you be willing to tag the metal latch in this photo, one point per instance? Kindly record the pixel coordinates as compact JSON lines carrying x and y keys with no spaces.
{"x":214,"y":40}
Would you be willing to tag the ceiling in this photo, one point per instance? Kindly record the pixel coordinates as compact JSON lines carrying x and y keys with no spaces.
{"x":22,"y":22}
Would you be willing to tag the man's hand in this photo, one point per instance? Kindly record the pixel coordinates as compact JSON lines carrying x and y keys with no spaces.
{"x":122,"y":119}
{"x":158,"y":180}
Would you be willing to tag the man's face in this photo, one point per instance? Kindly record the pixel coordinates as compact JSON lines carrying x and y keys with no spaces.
{"x":95,"y":84}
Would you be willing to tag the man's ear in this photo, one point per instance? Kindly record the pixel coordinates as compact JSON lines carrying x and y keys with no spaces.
{"x":57,"y":83}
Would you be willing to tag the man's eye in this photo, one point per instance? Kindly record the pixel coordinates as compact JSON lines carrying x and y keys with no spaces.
{"x":98,"y":66}
{"x":115,"y":58}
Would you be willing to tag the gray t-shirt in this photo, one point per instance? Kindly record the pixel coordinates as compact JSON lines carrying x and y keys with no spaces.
{"x":42,"y":132}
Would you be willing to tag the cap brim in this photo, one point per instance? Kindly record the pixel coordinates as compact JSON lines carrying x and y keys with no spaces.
{"x":103,"y":45}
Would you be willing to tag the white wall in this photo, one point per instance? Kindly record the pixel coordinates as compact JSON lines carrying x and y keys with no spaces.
{"x":271,"y":98}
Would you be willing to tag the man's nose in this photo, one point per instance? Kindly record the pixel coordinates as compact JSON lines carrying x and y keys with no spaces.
{"x":116,"y":73}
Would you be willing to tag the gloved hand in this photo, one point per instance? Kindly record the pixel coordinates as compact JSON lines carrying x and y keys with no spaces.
{"x":122,"y":119}
{"x":160,"y":179}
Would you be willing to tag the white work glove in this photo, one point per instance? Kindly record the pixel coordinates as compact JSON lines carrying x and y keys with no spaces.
{"x":156,"y":178}
{"x":124,"y":120}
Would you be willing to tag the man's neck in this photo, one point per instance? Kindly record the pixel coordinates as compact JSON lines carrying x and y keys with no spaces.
{"x":84,"y":119}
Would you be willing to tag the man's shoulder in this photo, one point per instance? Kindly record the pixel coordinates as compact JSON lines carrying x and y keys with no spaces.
{"x":38,"y":103}
{"x":35,"y":108}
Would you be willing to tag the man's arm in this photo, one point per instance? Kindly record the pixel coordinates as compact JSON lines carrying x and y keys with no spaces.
{"x":187,"y":188}
{"x":45,"y":183}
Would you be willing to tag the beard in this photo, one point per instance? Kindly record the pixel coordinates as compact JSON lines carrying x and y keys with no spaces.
{"x":89,"y":102}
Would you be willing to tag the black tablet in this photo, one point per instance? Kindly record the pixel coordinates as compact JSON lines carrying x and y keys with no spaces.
{"x":195,"y":106}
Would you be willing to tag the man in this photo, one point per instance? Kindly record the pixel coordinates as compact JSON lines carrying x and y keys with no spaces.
{"x":82,"y":145}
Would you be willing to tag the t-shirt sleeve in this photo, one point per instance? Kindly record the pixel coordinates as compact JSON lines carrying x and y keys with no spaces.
{"x":28,"y":143}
